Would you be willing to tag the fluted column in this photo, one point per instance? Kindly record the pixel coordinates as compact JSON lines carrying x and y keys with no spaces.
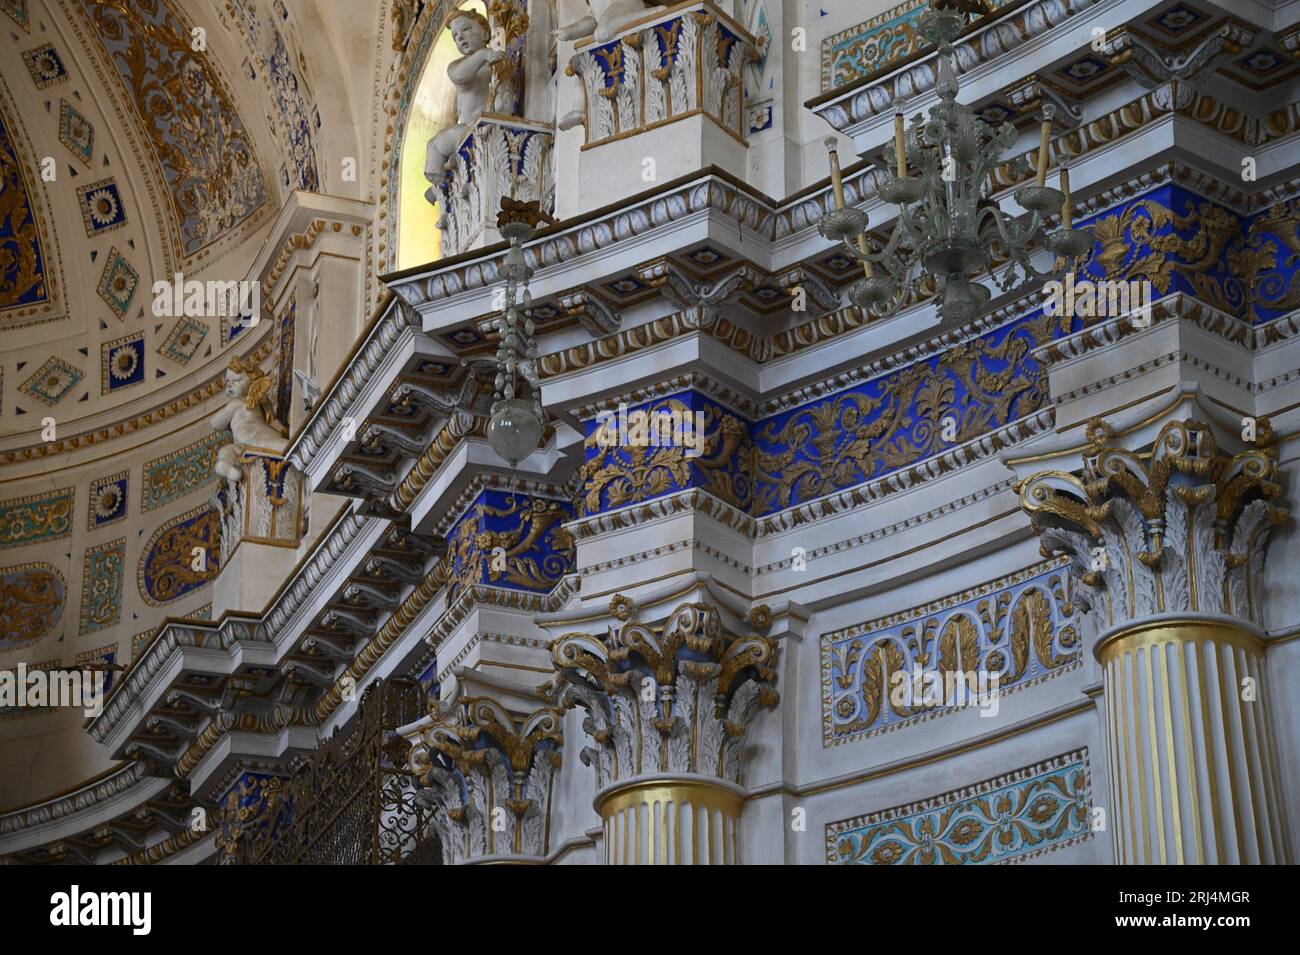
{"x":668,"y":706}
{"x":488,"y":770}
{"x":1169,"y":546}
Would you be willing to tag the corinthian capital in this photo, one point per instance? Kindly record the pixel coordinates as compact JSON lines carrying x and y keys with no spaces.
{"x":667,"y":699}
{"x":488,"y":772}
{"x":1181,"y":527}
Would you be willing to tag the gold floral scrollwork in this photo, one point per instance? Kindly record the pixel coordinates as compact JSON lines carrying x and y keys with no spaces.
{"x":533,"y":551}
{"x":899,"y":419}
{"x":32,"y":598}
{"x":253,"y":811}
{"x":884,"y":674}
{"x":617,"y":473}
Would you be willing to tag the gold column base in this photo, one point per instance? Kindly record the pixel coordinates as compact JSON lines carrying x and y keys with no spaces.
{"x":671,"y":821}
{"x":1192,"y":767}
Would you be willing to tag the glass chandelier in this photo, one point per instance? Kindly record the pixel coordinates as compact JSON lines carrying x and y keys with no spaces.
{"x":949,"y":228}
{"x":517,"y":417}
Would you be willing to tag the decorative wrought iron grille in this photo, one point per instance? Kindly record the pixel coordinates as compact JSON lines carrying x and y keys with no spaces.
{"x":352,"y":802}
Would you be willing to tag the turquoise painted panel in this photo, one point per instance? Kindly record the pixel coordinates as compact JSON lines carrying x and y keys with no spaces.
{"x":36,"y":519}
{"x":1008,"y":819}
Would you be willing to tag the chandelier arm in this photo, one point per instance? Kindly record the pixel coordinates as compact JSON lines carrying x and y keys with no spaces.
{"x":887,"y":258}
{"x":916,"y":224}
{"x":1018,"y":239}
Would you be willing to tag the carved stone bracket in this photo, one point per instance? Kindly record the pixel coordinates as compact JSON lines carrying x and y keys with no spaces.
{"x":1032,"y":93}
{"x":596,"y":315}
{"x":1154,"y":67}
{"x":703,"y":298}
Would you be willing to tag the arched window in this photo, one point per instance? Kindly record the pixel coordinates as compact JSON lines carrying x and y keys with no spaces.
{"x":432,"y":107}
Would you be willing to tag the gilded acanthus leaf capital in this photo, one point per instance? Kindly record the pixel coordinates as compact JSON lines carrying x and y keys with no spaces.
{"x":488,"y":772}
{"x":670,"y":697}
{"x":1179,"y":526}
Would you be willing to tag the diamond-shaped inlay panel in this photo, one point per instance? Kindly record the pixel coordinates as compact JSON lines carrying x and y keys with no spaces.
{"x":1178,"y":19}
{"x":45,"y":66}
{"x":183,"y":340}
{"x":17,"y":9}
{"x":118,"y":283}
{"x":76,"y":132}
{"x":52,"y":382}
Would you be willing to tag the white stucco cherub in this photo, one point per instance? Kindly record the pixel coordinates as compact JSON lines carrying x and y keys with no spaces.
{"x":472,"y":77}
{"x":247,"y":416}
{"x":606,"y":18}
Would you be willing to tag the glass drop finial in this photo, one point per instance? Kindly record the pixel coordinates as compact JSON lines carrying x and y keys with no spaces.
{"x":945,"y":83}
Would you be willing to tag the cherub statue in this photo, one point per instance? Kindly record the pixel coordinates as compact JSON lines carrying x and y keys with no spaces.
{"x":606,"y":18}
{"x":247,"y":416}
{"x":472,"y":77}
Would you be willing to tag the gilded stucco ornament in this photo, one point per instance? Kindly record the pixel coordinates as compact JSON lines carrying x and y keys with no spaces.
{"x":489,"y":774}
{"x":669,"y":698}
{"x":1179,"y":528}
{"x":253,"y":811}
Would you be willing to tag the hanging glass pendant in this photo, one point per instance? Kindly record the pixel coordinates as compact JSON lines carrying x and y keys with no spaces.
{"x":516,"y":421}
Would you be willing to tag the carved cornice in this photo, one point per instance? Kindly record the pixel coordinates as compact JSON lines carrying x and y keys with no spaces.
{"x":502,"y":639}
{"x":296,"y":241}
{"x":319,"y":566}
{"x":328,"y":414}
{"x":1214,"y":114}
{"x":458,"y":427}
{"x":876,"y":96}
{"x":1178,"y":306}
{"x":160,"y":851}
{"x":984,"y":446}
{"x":479,"y":595}
{"x":687,"y":501}
{"x":709,"y":190}
{"x":723,"y":394}
{"x":689,"y":543}
{"x":173,"y":636}
{"x":81,"y":800}
{"x":890,"y":530}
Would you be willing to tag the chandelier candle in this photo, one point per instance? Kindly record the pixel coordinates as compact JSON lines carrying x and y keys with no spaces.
{"x":1067,"y":220}
{"x":837,"y":183}
{"x":900,"y":142}
{"x":1044,"y":138}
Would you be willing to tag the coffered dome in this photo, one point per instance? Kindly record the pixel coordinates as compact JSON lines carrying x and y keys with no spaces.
{"x":140,"y":143}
